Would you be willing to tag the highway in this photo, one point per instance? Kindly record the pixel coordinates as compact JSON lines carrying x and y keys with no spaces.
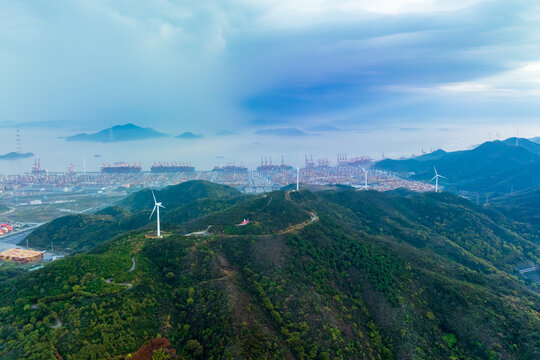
{"x":9,"y":241}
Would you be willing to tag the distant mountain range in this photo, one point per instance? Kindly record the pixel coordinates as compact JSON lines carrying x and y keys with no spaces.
{"x":118,"y":133}
{"x":16,"y":156}
{"x":494,"y":167}
{"x":281,"y":132}
{"x":189,"y":135}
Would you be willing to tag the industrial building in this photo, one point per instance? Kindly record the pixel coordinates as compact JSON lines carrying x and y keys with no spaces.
{"x":21,"y":256}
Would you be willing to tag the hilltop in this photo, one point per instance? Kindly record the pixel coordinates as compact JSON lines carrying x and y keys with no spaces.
{"x":117,"y":133}
{"x":183,"y":202}
{"x":332,"y":274}
{"x":494,"y":167}
{"x":182,"y":194}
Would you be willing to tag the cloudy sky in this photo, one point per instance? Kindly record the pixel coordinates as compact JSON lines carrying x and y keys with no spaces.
{"x":216,"y":64}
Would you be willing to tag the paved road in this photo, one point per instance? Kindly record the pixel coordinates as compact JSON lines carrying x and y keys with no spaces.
{"x":133,"y":264}
{"x":8,"y":242}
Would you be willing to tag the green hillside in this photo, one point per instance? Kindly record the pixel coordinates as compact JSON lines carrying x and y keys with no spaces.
{"x":522,"y":207}
{"x":493,"y":167}
{"x":329,"y":275}
{"x":268,"y":214}
{"x":527,"y":144}
{"x":184,"y":202}
{"x":178,"y":195}
{"x":74,"y":232}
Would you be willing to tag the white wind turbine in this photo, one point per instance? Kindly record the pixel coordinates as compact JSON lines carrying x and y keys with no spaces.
{"x":157,"y":205}
{"x":297,"y":179}
{"x":436,"y":178}
{"x":365,"y":178}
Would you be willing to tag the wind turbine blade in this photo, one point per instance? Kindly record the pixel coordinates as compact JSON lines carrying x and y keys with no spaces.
{"x":152,"y":212}
{"x":161,"y":206}
{"x":154,"y":196}
{"x":433,"y":178}
{"x":434,"y":168}
{"x":444,"y":177}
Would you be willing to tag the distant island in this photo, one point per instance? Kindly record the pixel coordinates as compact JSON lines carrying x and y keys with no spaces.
{"x":281,"y":132}
{"x":189,"y":135}
{"x":16,"y":156}
{"x":127,"y":132}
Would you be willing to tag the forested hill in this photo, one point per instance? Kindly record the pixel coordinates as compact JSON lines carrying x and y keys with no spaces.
{"x":497,"y":167}
{"x":183,"y":202}
{"x":178,"y":195}
{"x":338,"y":274}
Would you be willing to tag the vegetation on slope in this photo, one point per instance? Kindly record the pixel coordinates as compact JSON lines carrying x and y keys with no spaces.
{"x":493,"y":167}
{"x":523,"y":207}
{"x":392,"y":275}
{"x":82,"y":232}
{"x":178,"y":195}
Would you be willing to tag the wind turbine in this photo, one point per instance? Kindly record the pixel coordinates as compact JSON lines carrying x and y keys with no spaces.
{"x":157,"y":205}
{"x":365,"y":178}
{"x":297,"y":179}
{"x":436,"y":178}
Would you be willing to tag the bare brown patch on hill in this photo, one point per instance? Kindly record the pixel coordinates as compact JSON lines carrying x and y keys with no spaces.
{"x":146,"y":351}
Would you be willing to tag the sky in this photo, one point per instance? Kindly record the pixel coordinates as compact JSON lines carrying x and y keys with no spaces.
{"x":395,"y":76}
{"x":220,"y":64}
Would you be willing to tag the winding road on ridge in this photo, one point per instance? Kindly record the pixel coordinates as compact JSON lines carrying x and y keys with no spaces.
{"x":126,"y":284}
{"x":58,"y":322}
{"x":313,"y":217}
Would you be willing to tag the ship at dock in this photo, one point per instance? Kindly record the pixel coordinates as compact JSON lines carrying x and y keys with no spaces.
{"x":231,"y":167}
{"x":121,"y":168}
{"x":361,"y":161}
{"x":172,"y":167}
{"x":267,"y":165}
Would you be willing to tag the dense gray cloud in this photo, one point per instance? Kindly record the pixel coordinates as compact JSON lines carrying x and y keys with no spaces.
{"x":210,"y":65}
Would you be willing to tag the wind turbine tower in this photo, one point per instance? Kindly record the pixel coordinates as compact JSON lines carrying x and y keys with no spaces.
{"x":365,"y":178}
{"x":157,"y":205}
{"x":436,"y":178}
{"x":297,"y":179}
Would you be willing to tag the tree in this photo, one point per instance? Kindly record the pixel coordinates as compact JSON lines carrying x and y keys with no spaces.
{"x":160,"y":355}
{"x":194,"y":347}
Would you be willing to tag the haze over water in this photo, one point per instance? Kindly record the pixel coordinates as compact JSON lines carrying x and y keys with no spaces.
{"x":244,"y":148}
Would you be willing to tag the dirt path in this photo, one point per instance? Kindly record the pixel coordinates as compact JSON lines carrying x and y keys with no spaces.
{"x":126,"y":284}
{"x":313,"y":218}
{"x":268,"y":203}
{"x":203,"y":232}
{"x":57,"y":325}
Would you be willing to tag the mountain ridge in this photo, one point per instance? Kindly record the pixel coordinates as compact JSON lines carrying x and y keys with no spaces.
{"x":492,"y":167}
{"x":118,"y":133}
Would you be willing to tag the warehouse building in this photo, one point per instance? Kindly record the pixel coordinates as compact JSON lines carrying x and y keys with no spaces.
{"x":21,"y":256}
